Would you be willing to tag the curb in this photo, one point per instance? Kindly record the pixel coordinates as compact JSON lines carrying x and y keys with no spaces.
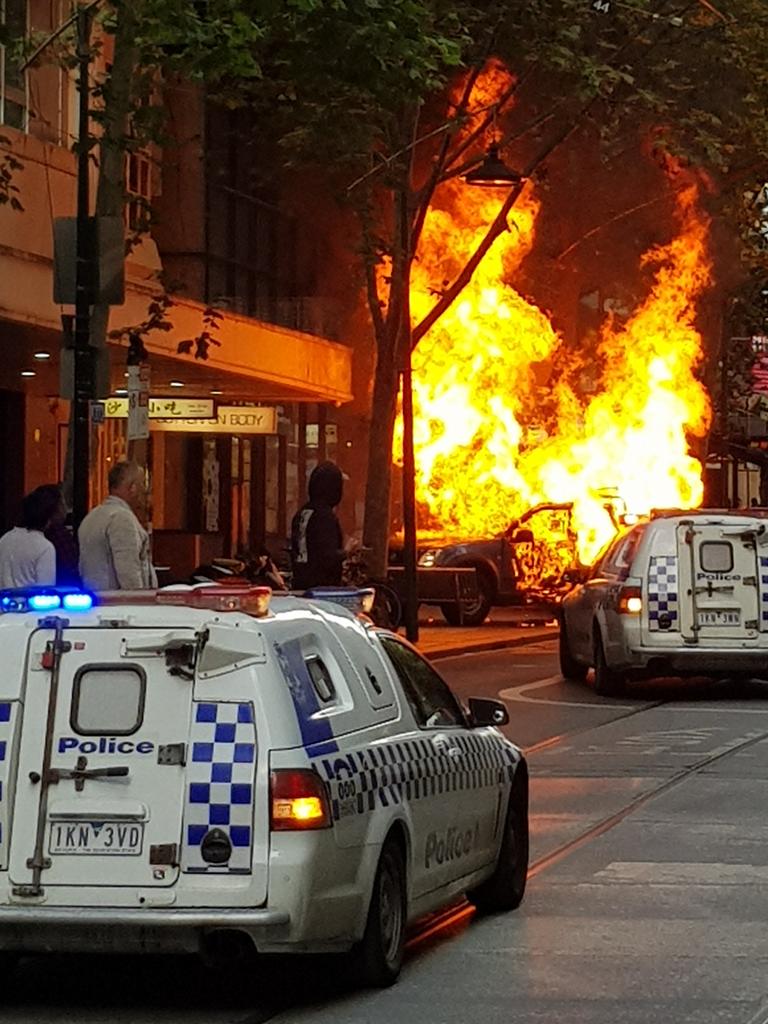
{"x":490,"y":645}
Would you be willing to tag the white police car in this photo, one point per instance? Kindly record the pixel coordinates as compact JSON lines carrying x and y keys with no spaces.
{"x":684,"y":594}
{"x":181,"y":767}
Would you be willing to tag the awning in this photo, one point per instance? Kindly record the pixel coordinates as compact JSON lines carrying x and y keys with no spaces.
{"x":255,"y":360}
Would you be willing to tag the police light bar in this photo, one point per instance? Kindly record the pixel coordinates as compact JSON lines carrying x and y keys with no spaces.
{"x":210,"y":596}
{"x":356,"y":599}
{"x":251,"y":600}
{"x":45,"y":599}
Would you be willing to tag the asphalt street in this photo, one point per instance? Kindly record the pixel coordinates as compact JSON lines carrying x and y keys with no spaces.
{"x":647,"y":899}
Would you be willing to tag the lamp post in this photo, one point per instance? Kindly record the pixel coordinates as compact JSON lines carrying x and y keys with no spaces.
{"x":492,"y":172}
{"x":409,"y":480}
{"x":411,"y":594}
{"x":83,"y":352}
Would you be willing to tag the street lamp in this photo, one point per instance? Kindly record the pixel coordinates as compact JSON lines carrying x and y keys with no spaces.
{"x":493,"y":172}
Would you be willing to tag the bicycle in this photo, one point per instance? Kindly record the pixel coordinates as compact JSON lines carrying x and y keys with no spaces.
{"x":387,"y":610}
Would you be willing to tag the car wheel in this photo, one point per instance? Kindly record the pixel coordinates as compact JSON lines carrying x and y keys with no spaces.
{"x":471,"y":613}
{"x":505,"y":889}
{"x":608,"y":682}
{"x":379,"y":955}
{"x":570,"y":668}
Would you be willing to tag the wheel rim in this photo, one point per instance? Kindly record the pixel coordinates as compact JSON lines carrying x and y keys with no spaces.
{"x":470,"y":608}
{"x":390,"y":910}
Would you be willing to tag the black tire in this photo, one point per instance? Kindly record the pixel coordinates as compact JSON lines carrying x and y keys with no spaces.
{"x":379,"y":955}
{"x":569,"y":667}
{"x":505,"y":889}
{"x":474,"y":614}
{"x":608,"y":682}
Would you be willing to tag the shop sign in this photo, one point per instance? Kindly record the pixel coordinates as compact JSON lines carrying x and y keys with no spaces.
{"x":164,"y":408}
{"x":231,"y":419}
{"x":138,"y":403}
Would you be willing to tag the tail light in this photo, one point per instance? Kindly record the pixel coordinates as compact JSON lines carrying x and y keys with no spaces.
{"x":299,"y":800}
{"x":630,"y":601}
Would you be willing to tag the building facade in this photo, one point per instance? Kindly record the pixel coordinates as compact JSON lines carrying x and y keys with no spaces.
{"x":218,"y":239}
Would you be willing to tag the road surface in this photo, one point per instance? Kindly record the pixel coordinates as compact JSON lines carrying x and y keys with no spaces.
{"x":647,"y":900}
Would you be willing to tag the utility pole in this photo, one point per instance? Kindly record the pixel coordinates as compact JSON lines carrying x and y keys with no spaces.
{"x":84,"y":280}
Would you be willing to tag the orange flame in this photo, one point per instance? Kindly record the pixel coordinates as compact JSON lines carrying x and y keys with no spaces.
{"x":501,"y":421}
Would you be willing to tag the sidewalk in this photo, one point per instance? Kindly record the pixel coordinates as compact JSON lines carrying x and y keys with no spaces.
{"x":504,"y":627}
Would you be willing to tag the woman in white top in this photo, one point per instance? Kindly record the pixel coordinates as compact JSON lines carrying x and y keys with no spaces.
{"x":27,"y":557}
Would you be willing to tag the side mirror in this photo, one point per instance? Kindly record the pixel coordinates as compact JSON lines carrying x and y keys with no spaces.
{"x":484,"y":711}
{"x":522,"y":537}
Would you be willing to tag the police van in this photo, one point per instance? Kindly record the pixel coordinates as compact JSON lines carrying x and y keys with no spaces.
{"x":196,"y":765}
{"x":683,"y":594}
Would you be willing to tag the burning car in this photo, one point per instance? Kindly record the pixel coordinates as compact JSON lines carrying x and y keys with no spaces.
{"x":527,"y":563}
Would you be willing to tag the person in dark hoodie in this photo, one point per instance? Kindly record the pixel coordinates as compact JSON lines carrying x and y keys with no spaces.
{"x":317,"y":543}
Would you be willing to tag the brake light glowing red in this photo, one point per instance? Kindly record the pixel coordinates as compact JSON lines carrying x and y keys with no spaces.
{"x":298,"y":800}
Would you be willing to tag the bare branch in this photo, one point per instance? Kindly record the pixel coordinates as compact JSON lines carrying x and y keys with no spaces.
{"x":607,"y":223}
{"x":498,"y":227}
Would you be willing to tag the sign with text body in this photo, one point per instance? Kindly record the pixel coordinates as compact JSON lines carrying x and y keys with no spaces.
{"x":230,"y":419}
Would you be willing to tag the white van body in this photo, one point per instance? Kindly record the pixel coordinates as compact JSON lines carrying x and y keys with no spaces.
{"x":683,"y":594}
{"x":137,"y":740}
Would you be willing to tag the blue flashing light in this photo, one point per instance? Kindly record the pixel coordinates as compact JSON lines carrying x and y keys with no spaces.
{"x":44,"y":602}
{"x":45,"y":599}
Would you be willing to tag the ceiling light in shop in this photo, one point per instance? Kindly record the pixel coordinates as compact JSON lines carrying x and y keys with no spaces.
{"x":28,"y":373}
{"x":42,"y":356}
{"x":177,"y":384}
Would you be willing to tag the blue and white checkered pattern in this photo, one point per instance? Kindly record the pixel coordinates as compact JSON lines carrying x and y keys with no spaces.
{"x":385,"y":774}
{"x":6,"y":725}
{"x":220,"y":790}
{"x":662,"y":592}
{"x":763,"y":592}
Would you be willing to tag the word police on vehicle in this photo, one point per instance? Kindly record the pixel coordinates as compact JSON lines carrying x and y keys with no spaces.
{"x":194,"y":761}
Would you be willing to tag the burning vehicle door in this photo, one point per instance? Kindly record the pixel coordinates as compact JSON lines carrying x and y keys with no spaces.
{"x":101,"y":766}
{"x":719,"y":582}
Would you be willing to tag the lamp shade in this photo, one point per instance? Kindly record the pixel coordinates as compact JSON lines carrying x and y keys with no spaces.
{"x":493,"y":172}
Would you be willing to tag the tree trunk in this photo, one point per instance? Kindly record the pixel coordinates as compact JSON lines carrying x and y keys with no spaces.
{"x":378,"y":490}
{"x":389,"y":333}
{"x":110,"y":190}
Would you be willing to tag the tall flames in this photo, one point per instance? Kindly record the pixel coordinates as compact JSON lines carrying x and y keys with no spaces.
{"x":508,"y":416}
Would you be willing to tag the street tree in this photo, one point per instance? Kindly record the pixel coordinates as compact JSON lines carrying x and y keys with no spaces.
{"x":389,"y":98}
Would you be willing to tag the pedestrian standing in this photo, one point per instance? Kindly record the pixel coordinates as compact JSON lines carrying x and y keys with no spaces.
{"x":60,"y":533}
{"x":27,"y":557}
{"x":317,"y":543}
{"x":114,"y":546}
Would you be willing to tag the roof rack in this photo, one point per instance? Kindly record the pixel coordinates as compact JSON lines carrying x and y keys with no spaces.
{"x":668,"y":513}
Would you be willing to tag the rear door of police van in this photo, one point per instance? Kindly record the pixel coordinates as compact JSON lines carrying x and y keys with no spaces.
{"x":100,"y":762}
{"x":719,"y":581}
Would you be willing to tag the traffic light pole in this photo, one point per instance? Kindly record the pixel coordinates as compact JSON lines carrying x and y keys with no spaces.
{"x":83,"y":352}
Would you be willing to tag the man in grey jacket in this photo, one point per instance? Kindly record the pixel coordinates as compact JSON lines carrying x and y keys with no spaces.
{"x":114,"y":546}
